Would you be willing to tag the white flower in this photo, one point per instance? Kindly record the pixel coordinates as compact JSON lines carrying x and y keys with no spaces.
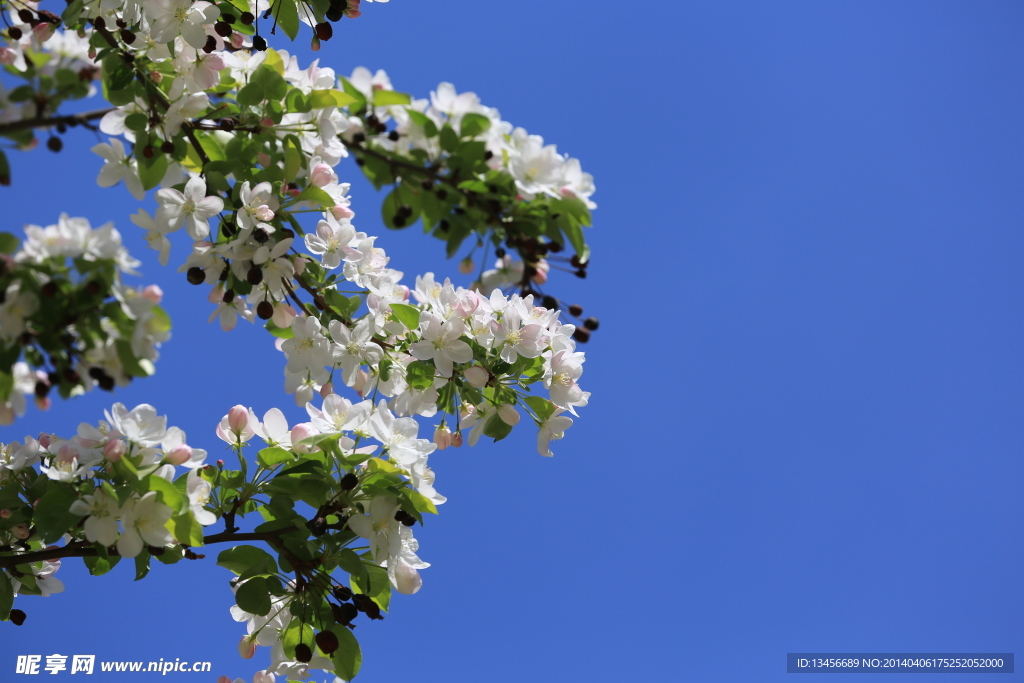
{"x":103,"y":511}
{"x":119,"y":166}
{"x":354,"y":347}
{"x":143,"y":521}
{"x":141,"y":425}
{"x":441,"y":344}
{"x":198,"y":490}
{"x":308,"y":349}
{"x":193,"y":208}
{"x":258,"y":205}
{"x":170,"y":18}
{"x":552,"y":429}
{"x":331,"y":239}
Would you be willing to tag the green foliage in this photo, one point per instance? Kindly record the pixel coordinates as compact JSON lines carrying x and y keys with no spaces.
{"x":53,"y":516}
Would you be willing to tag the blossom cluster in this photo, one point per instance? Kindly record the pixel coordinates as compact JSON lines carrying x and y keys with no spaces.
{"x":69,"y":276}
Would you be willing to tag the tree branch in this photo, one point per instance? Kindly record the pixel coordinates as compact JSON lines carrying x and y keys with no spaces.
{"x":47,"y":121}
{"x":82,"y":549}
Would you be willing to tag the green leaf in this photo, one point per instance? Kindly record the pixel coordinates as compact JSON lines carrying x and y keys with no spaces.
{"x":287,"y":15}
{"x":7,"y":598}
{"x":53,"y":516}
{"x":166,"y":493}
{"x":251,"y":95}
{"x":374,"y":583}
{"x":116,"y":73}
{"x":497,"y":428}
{"x":137,"y":122}
{"x":243,"y":557}
{"x":187,"y":530}
{"x":449,"y":139}
{"x":322,"y":99}
{"x":99,"y":566}
{"x":133,"y":366}
{"x":424,"y":121}
{"x":543,"y":407}
{"x":387,"y":98}
{"x":72,"y":12}
{"x":348,"y":658}
{"x":352,"y":563}
{"x":253,"y":596}
{"x":8,"y":242}
{"x":420,"y":374}
{"x":315,"y":194}
{"x":473,"y":125}
{"x":407,"y":315}
{"x":297,"y":632}
{"x":421,"y":502}
{"x":141,"y":565}
{"x":292,"y":158}
{"x":269,"y":457}
{"x":152,"y":171}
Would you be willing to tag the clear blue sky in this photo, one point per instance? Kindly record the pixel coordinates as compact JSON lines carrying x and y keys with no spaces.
{"x":806,"y":426}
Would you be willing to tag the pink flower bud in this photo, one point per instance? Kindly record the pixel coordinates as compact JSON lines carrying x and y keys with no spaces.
{"x":341,"y":211}
{"x":264,"y":159}
{"x":114,"y":449}
{"x":299,"y":264}
{"x":466,"y":265}
{"x":508,"y":414}
{"x":264,"y":677}
{"x":322,"y":174}
{"x":457,"y":439}
{"x":43,"y":31}
{"x":246,"y":647}
{"x":442,"y":438}
{"x":314,"y":44}
{"x":301,"y":431}
{"x":264,"y":213}
{"x":156,"y":76}
{"x":220,"y":463}
{"x":153,"y":293}
{"x":43,"y":403}
{"x":283,"y":316}
{"x":179,"y":455}
{"x":541,"y":276}
{"x":477,"y":376}
{"x":7,"y":55}
{"x":326,"y":390}
{"x":45,"y":439}
{"x":407,"y":579}
{"x":237,"y":40}
{"x":216,"y":294}
{"x":20,"y":531}
{"x":5,"y":514}
{"x":362,"y":378}
{"x":224,"y":679}
{"x":238,"y":419}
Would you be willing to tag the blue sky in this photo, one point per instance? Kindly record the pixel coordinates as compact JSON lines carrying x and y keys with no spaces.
{"x":806,"y":426}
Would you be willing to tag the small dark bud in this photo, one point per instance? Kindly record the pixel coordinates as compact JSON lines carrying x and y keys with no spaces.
{"x":222,"y":28}
{"x":366,"y":605}
{"x":591,"y":323}
{"x":106,"y":383}
{"x":576,"y":310}
{"x":581,"y":273}
{"x":265,"y":310}
{"x":581,"y":335}
{"x":42,"y":389}
{"x":148,"y":151}
{"x":444,"y":225}
{"x":54,"y":377}
{"x":259,"y":44}
{"x":344,"y":614}
{"x":549,"y":302}
{"x":359,"y":138}
{"x":121,"y":23}
{"x":15,"y":33}
{"x":398,"y":219}
{"x":49,"y":17}
{"x":49,"y":290}
{"x":70,"y":376}
{"x":254,"y":276}
{"x":458,"y":210}
{"x":99,"y":22}
{"x":195,"y":275}
{"x":327,"y":642}
{"x":287,"y":233}
{"x":227,"y":18}
{"x":211,"y":44}
{"x":127,"y":36}
{"x":529,"y":271}
{"x":248,"y":18}
{"x":167,"y":147}
{"x":575,"y":261}
{"x":427,"y":185}
{"x":227,"y":124}
{"x":27,"y":16}
{"x":349,"y":482}
{"x":360,"y":161}
{"x":555,"y":247}
{"x":488,"y":155}
{"x":372,"y":121}
{"x":499,"y":252}
{"x":441,"y":193}
{"x":223,"y":277}
{"x":17,"y":616}
{"x":303,"y":653}
{"x":393,"y":136}
{"x":324,"y":31}
{"x":493,"y":189}
{"x":96,"y":373}
{"x":228,"y":297}
{"x":54,"y":144}
{"x":405,"y":518}
{"x":260,"y":235}
{"x":342,"y":593}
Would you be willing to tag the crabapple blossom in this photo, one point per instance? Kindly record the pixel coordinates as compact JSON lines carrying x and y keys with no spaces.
{"x":191,"y":208}
{"x":143,"y":520}
{"x":441,"y":344}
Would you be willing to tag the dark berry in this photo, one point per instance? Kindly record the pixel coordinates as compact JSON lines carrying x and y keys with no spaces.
{"x":549,"y":302}
{"x":127,"y":36}
{"x":555,"y":247}
{"x":54,"y":144}
{"x":349,"y":482}
{"x":576,"y":310}
{"x":259,"y":44}
{"x":17,"y":616}
{"x":248,"y":18}
{"x":49,"y":290}
{"x":359,"y":138}
{"x":393,"y":135}
{"x":167,"y":147}
{"x":195,"y":275}
{"x":399,"y":220}
{"x":581,"y":273}
{"x":344,"y":614}
{"x":227,"y":124}
{"x":227,"y":18}
{"x":254,"y":276}
{"x":42,"y":389}
{"x":367,"y":606}
{"x":27,"y":16}
{"x":211,"y":44}
{"x":590,"y":323}
{"x":499,"y":252}
{"x":327,"y":642}
{"x":303,"y":653}
{"x":15,"y":33}
{"x":488,"y":155}
{"x":265,"y":310}
{"x":342,"y":593}
{"x":581,"y":335}
{"x":106,"y":383}
{"x":228,"y":297}
{"x":98,"y":22}
{"x":441,"y":193}
{"x":324,"y":31}
{"x":148,"y":151}
{"x":427,"y":185}
{"x":260,"y":235}
{"x":222,"y":28}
